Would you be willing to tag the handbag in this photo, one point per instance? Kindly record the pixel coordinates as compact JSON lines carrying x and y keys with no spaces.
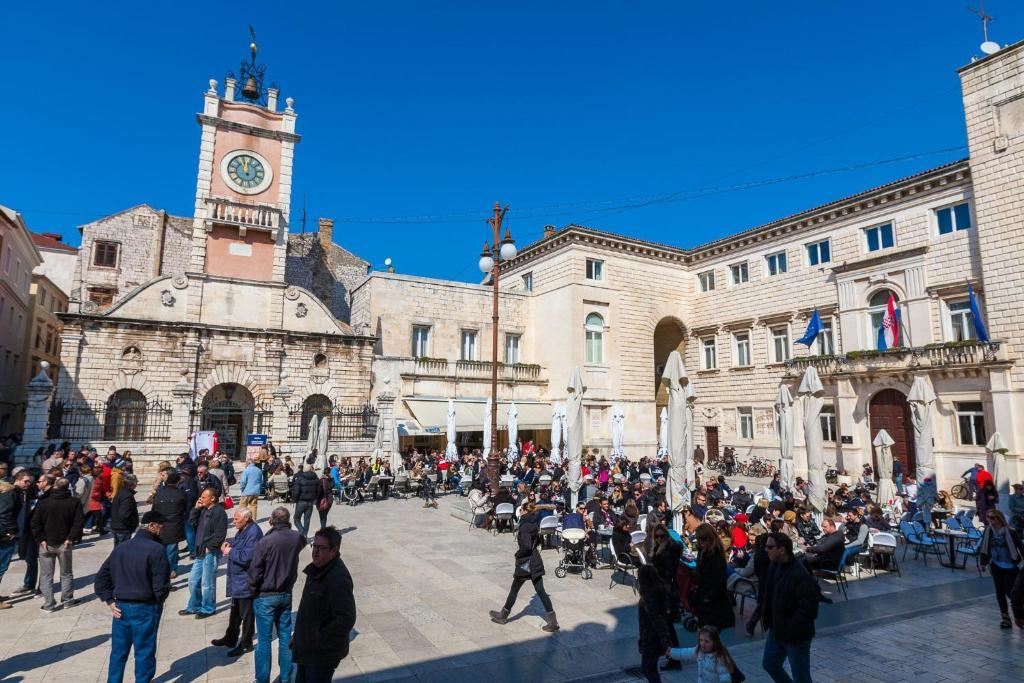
{"x":228,"y":503}
{"x":324,"y":504}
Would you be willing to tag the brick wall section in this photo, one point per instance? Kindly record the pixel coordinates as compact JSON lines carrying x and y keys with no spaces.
{"x":328,"y":271}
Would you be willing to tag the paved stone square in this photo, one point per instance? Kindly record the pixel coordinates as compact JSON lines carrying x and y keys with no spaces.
{"x":424,"y":582}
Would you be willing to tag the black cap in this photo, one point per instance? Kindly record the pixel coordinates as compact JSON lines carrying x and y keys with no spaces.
{"x":154,"y":517}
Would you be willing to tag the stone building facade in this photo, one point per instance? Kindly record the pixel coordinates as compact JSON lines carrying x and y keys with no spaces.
{"x":316,"y":263}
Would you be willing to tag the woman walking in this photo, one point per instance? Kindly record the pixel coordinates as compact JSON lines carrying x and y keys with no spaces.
{"x":528,"y":566}
{"x":654,"y":621}
{"x":710,"y":600}
{"x":325,"y":496}
{"x":1001,"y":552}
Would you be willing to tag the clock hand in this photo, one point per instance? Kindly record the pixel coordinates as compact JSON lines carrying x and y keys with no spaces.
{"x":245,"y":166}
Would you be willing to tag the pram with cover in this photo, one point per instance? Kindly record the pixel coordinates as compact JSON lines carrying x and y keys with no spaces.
{"x":574,"y":554}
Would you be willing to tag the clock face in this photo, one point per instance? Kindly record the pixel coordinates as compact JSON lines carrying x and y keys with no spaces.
{"x":247,"y":172}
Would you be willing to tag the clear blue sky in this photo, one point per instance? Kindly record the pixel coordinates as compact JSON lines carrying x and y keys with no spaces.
{"x":441,"y":108}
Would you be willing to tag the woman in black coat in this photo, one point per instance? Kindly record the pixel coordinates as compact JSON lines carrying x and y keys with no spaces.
{"x":710,"y":599}
{"x":172,"y":503}
{"x":528,"y":566}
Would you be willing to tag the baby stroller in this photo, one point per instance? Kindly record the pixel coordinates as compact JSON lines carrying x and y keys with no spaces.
{"x":574,"y":554}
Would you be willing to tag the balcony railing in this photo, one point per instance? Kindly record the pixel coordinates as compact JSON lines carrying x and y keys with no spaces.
{"x":950,"y":355}
{"x":257,"y":216}
{"x":479,"y":370}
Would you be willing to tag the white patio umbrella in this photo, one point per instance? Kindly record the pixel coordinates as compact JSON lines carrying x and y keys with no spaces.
{"x":513,"y":432}
{"x":556,"y":434}
{"x":487,"y":429}
{"x":563,"y":417}
{"x":997,"y":466}
{"x":323,"y":436}
{"x":378,"y":441}
{"x":812,"y":394}
{"x":920,"y":398}
{"x":691,"y":474}
{"x":451,"y":452}
{"x":314,"y":429}
{"x":677,"y":488}
{"x":618,"y":427}
{"x":883,"y":459}
{"x":574,"y":433}
{"x":396,"y":450}
{"x":663,"y":433}
{"x":785,"y":420}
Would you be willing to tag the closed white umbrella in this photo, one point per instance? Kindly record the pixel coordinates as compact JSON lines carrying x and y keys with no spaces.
{"x":574,"y":433}
{"x":677,"y":488}
{"x":563,"y":417}
{"x":378,"y":441}
{"x":451,"y":452}
{"x":997,"y":466}
{"x":513,"y":432}
{"x":691,"y":475}
{"x":556,"y":434}
{"x":314,"y":429}
{"x":618,"y":427}
{"x":487,"y":429}
{"x":396,"y":450}
{"x":883,"y":458}
{"x":663,"y":433}
{"x":785,"y":419}
{"x":920,"y":398}
{"x":812,"y":394}
{"x":322,"y":442}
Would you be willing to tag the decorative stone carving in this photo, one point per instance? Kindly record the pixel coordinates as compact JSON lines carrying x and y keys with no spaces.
{"x":131,"y":360}
{"x":89,"y":307}
{"x":180,"y":281}
{"x":291,"y":293}
{"x":166,"y":298}
{"x":301,"y":311}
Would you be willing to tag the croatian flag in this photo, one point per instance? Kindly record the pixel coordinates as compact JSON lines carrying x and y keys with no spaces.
{"x":889,"y":331}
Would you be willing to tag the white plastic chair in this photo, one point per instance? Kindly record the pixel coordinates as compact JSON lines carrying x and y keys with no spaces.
{"x":645,"y":478}
{"x":503,"y":514}
{"x":548,"y":528}
{"x":638,"y":537}
{"x":883,"y":543}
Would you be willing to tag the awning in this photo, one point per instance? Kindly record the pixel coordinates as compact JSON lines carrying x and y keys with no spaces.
{"x":432,"y":414}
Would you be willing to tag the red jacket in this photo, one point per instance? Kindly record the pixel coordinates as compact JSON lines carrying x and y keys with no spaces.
{"x":100,"y":487}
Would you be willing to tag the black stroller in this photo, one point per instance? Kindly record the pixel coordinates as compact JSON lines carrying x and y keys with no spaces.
{"x":574,"y":554}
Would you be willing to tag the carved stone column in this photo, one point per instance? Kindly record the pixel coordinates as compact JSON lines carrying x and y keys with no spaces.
{"x":37,"y":414}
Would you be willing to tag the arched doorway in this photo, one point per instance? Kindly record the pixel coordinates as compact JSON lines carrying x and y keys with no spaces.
{"x":231,"y":411}
{"x":315,"y":404}
{"x":669,"y":336}
{"x":889,"y":411}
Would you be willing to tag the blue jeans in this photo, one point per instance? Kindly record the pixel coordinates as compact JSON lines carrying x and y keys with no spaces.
{"x":171,"y":549}
{"x":136,"y":628}
{"x":302,"y":517}
{"x":190,"y":540}
{"x":273,"y":611}
{"x":776,"y":653}
{"x":202,"y":584}
{"x":7,"y":549}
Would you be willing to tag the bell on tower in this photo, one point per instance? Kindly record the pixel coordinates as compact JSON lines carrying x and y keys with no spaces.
{"x":251,"y":75}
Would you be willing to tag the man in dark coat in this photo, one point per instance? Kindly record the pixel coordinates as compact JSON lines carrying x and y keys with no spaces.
{"x":327,"y":611}
{"x":187,"y":483}
{"x":171,"y":502}
{"x":12,"y":501}
{"x":134,"y":581}
{"x":124,"y":511}
{"x":211,"y":524}
{"x":529,"y":566}
{"x":305,"y":492}
{"x":56,"y":523}
{"x":239,"y":551}
{"x":828,"y":551}
{"x":788,"y":610}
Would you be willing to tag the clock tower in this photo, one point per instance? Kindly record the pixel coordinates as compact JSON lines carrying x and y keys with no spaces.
{"x":243,"y":190}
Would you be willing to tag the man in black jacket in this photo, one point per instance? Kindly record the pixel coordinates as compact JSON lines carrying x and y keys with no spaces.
{"x":327,"y":612}
{"x":828,"y":551}
{"x":56,"y":523}
{"x":788,"y":611}
{"x":124,"y":511}
{"x":211,"y":524}
{"x":134,"y":581}
{"x":272,"y":574}
{"x":172,"y":502}
{"x":11,"y":505}
{"x":305,"y":491}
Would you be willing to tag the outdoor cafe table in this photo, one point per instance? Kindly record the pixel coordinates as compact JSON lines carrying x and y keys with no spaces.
{"x":952,"y":536}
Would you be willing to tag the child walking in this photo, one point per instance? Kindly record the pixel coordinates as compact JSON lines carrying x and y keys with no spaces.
{"x":714,"y":663}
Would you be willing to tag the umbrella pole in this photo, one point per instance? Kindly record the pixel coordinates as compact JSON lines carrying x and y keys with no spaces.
{"x":575,"y":499}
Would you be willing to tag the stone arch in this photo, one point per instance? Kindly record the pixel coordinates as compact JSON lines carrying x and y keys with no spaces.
{"x":667,"y":335}
{"x":130,"y":380}
{"x":224,"y":374}
{"x":877,"y":286}
{"x":869,"y":391}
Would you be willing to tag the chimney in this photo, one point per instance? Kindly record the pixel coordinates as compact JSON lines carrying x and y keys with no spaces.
{"x":326,"y":231}
{"x":549,"y":231}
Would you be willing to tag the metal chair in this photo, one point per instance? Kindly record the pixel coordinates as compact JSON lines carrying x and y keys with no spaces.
{"x":838,"y":573}
{"x":547,"y":530}
{"x":503,"y":515}
{"x":970,"y":548}
{"x":744,"y":588}
{"x":400,"y":489}
{"x":922,"y":544}
{"x":622,"y":563}
{"x":883,"y":543}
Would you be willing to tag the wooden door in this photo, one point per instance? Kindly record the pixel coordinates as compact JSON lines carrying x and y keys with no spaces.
{"x":889,"y":411}
{"x":711,"y":438}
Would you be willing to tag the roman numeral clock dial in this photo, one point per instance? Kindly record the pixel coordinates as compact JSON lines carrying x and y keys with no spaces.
{"x":246,"y":172}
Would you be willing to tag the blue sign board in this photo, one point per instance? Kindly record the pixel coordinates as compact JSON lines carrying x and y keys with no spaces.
{"x":256,"y":440}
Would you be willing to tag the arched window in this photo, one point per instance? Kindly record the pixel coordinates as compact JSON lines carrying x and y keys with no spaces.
{"x":595,"y":339}
{"x":316,"y":404}
{"x":126,"y":416}
{"x":877,"y":306}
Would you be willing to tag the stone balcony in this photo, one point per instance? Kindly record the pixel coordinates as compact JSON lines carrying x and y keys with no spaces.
{"x":245,"y":216}
{"x":952,"y":358}
{"x":440,"y":368}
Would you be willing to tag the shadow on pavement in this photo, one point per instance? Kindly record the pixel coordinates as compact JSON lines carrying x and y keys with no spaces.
{"x":27,"y":661}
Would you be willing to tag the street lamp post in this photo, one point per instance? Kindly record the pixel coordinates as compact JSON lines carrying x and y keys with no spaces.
{"x":490,"y":262}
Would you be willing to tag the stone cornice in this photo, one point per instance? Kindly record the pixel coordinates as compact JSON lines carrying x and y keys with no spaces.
{"x":246,"y":129}
{"x":887,"y":258}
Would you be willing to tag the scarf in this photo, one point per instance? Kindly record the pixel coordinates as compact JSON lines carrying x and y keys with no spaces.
{"x":986,"y":540}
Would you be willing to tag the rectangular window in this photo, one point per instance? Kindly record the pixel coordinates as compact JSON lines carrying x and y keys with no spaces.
{"x":961,"y":321}
{"x":104,"y":254}
{"x":102,"y":296}
{"x":528,"y":282}
{"x":879,"y":237}
{"x":39,"y":339}
{"x":42,"y":298}
{"x":738,"y":273}
{"x":741,"y":349}
{"x":780,"y":344}
{"x":595,"y":270}
{"x":709,"y":354}
{"x":826,"y":340}
{"x":818,"y":253}
{"x":827,"y":417}
{"x":706,"y":280}
{"x":511,"y":349}
{"x":954,"y":218}
{"x":7,"y":260}
{"x":745,"y":422}
{"x":420,"y":341}
{"x":468,"y":345}
{"x":971,"y":419}
{"x":776,"y":263}
{"x":49,"y":342}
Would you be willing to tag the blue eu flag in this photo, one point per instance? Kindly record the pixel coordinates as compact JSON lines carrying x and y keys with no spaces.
{"x":979,"y":327}
{"x":814,"y":328}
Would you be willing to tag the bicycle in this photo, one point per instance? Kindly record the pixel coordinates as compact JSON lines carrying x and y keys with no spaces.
{"x":960,"y":491}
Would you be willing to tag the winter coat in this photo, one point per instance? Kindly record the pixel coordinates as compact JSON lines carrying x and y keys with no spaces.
{"x":242,"y":547}
{"x":211,"y":526}
{"x":124,"y":512}
{"x":136,"y":570}
{"x":653,"y":620}
{"x":57,"y":518}
{"x":252,"y":479}
{"x":100,"y":488}
{"x":305,"y":487}
{"x":171,"y":502}
{"x":529,"y":564}
{"x":326,"y":616}
{"x":789,"y":602}
{"x":710,"y":600}
{"x":10,"y":504}
{"x":275,"y":562}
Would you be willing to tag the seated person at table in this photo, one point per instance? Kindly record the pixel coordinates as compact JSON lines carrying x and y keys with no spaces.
{"x":589,"y":490}
{"x":741,"y":500}
{"x":875,"y":520}
{"x":631,"y":514}
{"x":699,"y":507}
{"x":623,"y":542}
{"x":618,"y":498}
{"x":604,"y":516}
{"x":856,"y":530}
{"x":828,"y":551}
{"x":806,"y":527}
{"x":648,"y":500}
{"x":789,"y":527}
